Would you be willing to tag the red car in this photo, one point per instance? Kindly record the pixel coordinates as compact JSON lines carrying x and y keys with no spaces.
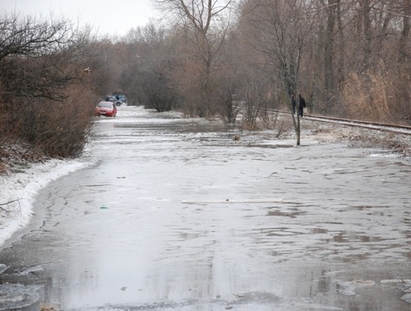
{"x":105,"y":108}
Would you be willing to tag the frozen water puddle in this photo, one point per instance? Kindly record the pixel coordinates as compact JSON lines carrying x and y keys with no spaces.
{"x":16,"y":296}
{"x":348,"y":288}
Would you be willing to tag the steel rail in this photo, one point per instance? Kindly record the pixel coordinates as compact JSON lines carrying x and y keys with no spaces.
{"x":379,"y":126}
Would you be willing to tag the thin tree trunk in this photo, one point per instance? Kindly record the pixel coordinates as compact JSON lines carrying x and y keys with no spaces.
{"x":329,"y":52}
{"x":367,"y":50}
{"x":341,"y":46}
{"x":402,"y":50}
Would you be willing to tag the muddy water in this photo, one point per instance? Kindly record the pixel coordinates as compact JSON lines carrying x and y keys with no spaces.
{"x":176,"y":215}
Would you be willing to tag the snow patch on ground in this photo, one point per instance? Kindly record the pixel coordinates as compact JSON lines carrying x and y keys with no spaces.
{"x":19,"y":190}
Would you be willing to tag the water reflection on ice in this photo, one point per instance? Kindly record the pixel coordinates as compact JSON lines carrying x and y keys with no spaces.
{"x":243,"y":224}
{"x":194,"y":220}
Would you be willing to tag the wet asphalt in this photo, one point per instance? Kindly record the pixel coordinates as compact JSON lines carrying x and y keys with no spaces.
{"x":173,"y":214}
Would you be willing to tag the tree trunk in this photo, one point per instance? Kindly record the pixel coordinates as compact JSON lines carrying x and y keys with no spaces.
{"x":341,"y":46}
{"x":402,"y":50}
{"x":329,"y":52}
{"x":367,"y":50}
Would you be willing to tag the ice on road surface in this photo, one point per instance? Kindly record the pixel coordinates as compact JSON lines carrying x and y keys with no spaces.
{"x":176,"y":215}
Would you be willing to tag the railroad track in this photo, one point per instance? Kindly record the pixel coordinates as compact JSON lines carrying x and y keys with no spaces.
{"x":379,"y":126}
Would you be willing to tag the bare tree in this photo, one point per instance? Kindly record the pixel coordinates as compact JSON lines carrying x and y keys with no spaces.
{"x":331,"y":7}
{"x":41,"y":64}
{"x":148,"y":77}
{"x":230,"y":78}
{"x":404,"y":55}
{"x":281,"y":30}
{"x":204,"y":24}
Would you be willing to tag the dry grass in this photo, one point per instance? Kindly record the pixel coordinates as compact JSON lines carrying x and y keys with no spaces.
{"x":396,"y":143}
{"x":3,"y":168}
{"x":44,"y":307}
{"x":379,"y":96}
{"x":362,"y":138}
{"x":367,"y":97}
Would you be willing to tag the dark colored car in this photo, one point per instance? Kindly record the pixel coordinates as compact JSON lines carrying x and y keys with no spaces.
{"x":122,"y":98}
{"x":119,"y":99}
{"x":113,"y":99}
{"x":106,"y":108}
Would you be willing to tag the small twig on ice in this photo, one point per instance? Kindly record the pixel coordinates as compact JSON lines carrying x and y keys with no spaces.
{"x":9,"y":202}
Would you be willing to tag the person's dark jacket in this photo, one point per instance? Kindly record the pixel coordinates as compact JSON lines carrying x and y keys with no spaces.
{"x":302,"y":102}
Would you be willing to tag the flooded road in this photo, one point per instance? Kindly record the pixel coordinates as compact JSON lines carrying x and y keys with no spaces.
{"x":176,"y":215}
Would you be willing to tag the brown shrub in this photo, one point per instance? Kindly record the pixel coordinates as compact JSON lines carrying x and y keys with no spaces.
{"x":51,"y":128}
{"x":367,"y":97}
{"x":381,"y":97}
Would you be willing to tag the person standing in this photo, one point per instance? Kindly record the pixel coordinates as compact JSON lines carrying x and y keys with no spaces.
{"x":301,"y":105}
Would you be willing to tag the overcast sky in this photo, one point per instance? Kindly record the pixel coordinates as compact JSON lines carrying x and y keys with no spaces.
{"x":113,"y":17}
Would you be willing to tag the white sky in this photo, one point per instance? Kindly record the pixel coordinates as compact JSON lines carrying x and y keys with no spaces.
{"x":112,"y":17}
